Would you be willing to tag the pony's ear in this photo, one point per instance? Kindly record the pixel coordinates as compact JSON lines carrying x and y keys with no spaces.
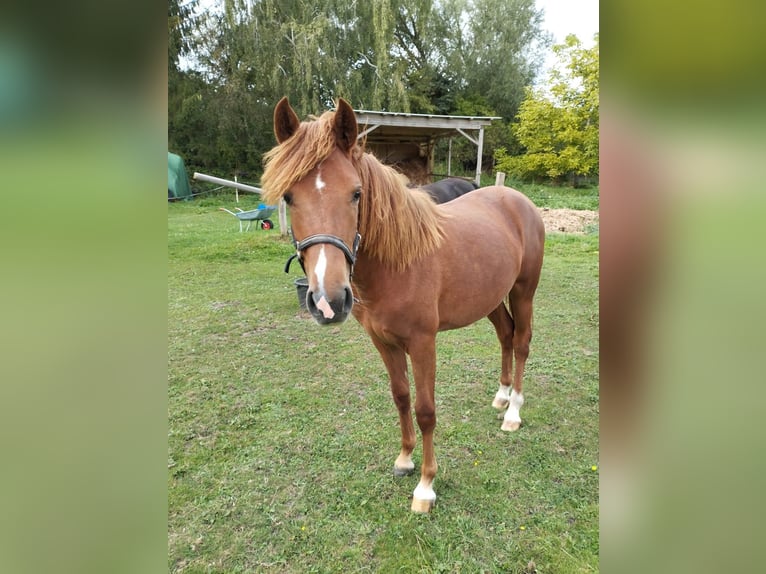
{"x":345,"y":125}
{"x":286,"y":121}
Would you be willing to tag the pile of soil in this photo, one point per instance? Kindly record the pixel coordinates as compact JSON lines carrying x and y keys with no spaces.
{"x":567,"y":220}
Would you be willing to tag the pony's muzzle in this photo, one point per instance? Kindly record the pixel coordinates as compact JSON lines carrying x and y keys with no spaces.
{"x":328,"y":309}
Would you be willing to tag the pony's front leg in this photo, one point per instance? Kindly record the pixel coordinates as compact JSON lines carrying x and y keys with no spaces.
{"x":396,"y":364}
{"x":423,"y":355}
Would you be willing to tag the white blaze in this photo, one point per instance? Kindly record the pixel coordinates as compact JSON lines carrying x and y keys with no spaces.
{"x":319,"y":270}
{"x":319,"y":183}
{"x":325,"y":308}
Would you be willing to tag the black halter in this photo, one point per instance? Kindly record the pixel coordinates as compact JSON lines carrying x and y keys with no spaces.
{"x":324,"y":238}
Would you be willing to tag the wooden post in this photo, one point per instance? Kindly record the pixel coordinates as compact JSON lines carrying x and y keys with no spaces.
{"x":449,"y":158}
{"x":236,"y":191}
{"x":478,"y":156}
{"x":500,"y":178}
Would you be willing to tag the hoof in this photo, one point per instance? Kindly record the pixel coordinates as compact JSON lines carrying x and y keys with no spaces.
{"x":399,"y":472}
{"x":510,"y":426}
{"x":422,"y":506}
{"x":499,"y":403}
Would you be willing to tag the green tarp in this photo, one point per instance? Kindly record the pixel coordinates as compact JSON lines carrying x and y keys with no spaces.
{"x":178,"y":180}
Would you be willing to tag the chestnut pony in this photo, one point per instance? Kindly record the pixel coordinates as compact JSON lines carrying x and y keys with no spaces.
{"x":405,"y":267}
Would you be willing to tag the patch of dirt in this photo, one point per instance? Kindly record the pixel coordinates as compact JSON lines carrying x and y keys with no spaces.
{"x":567,"y":220}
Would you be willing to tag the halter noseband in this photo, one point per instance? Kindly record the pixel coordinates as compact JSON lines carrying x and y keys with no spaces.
{"x":324,"y":238}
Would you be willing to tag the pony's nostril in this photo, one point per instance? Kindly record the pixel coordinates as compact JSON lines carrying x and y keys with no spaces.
{"x":310,"y":302}
{"x":349,"y":302}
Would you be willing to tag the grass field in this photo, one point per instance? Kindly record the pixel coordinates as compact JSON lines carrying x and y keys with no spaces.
{"x":282,"y":434}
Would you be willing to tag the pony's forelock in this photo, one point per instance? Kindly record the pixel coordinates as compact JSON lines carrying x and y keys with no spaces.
{"x":294,"y":158}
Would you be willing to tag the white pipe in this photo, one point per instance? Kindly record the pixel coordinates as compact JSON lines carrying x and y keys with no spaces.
{"x":227,"y":183}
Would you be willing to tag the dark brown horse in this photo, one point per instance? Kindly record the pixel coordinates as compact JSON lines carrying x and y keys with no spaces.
{"x":419,"y":267}
{"x":448,"y":189}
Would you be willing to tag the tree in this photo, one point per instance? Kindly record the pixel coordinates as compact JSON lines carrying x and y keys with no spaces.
{"x":558,"y":125}
{"x":188,"y":119}
{"x":181,"y":24}
{"x":423,"y":56}
{"x":501,"y":52}
{"x":470,"y":57}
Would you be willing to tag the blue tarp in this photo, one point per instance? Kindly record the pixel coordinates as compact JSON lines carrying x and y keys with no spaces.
{"x":178,"y":179}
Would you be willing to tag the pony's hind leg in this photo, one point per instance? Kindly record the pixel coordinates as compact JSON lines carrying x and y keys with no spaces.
{"x":395,"y":360}
{"x":521,"y":308}
{"x":504,"y":328}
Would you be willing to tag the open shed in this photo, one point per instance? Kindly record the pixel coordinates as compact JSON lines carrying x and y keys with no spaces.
{"x":406,"y":141}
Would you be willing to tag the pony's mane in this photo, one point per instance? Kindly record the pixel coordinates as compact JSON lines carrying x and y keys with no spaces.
{"x":294,"y":158}
{"x":399,"y":225}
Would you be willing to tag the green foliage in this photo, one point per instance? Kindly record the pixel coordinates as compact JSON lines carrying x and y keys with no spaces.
{"x":418,"y":56}
{"x":558,"y":126}
{"x":181,"y":24}
{"x":559,"y":197}
{"x":502,"y":53}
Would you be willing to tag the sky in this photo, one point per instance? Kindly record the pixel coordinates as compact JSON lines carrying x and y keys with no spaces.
{"x":562,"y":17}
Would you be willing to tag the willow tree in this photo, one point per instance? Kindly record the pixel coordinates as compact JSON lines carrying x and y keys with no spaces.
{"x":311,"y":50}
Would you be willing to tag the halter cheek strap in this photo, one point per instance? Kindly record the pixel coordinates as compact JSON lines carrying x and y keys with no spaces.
{"x":327,"y":239}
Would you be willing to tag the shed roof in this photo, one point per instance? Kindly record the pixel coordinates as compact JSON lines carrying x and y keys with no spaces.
{"x":396,"y":127}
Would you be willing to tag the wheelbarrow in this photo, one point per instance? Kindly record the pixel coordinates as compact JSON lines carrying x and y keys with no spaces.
{"x":261,"y":214}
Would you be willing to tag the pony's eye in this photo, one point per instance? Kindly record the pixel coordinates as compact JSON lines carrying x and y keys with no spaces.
{"x":357,"y":195}
{"x":288,"y":199}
